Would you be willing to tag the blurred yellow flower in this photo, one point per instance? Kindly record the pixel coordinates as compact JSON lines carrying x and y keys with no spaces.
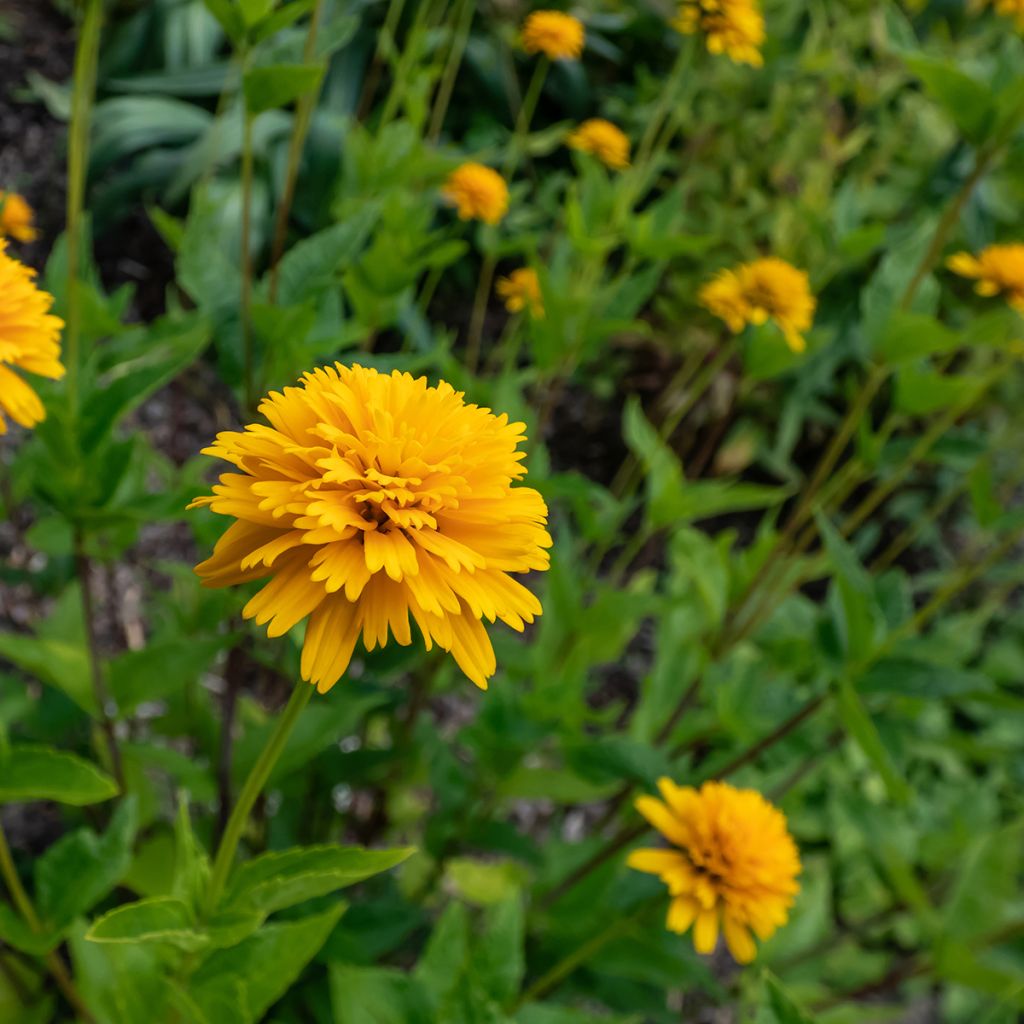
{"x":558,"y":36}
{"x":371,"y":497}
{"x":29,"y":340}
{"x":765,"y":289}
{"x":602,"y":138}
{"x":734,"y":864}
{"x":478,"y":192}
{"x":16,"y":218}
{"x":520,"y":290}
{"x":732,"y":27}
{"x":1007,"y":8}
{"x":998,"y":269}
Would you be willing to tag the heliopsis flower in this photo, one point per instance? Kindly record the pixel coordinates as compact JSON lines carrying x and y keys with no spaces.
{"x":29,"y":340}
{"x":520,"y":290}
{"x":1007,"y":8}
{"x":733,"y":863}
{"x":602,"y":138}
{"x":557,"y":35}
{"x":16,"y":218}
{"x":371,"y":497}
{"x":478,"y":192}
{"x":767,"y":289}
{"x":732,"y":27}
{"x":998,"y":269}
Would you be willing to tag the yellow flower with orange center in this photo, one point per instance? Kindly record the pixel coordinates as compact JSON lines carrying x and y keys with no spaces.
{"x":478,"y":192}
{"x":557,"y":35}
{"x":370,"y":498}
{"x":16,"y":218}
{"x":733,"y":865}
{"x":521,"y":290}
{"x":604,"y":140}
{"x":29,"y":341}
{"x":762,"y":290}
{"x":732,"y":27}
{"x":998,"y":270}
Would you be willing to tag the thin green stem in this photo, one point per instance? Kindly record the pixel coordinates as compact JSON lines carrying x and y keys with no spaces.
{"x":413,"y":41}
{"x":385,"y":40}
{"x":476,"y":320}
{"x":460,"y":37}
{"x":517,"y":147}
{"x":248,"y":369}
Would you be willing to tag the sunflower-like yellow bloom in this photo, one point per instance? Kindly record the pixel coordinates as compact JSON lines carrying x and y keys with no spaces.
{"x":29,"y":340}
{"x":1008,"y":9}
{"x":732,"y":27}
{"x":766,"y":289}
{"x":478,"y":192}
{"x":16,"y":218}
{"x":521,"y":290}
{"x":371,"y":497}
{"x":998,"y":269}
{"x":557,"y":35}
{"x":602,"y":138}
{"x":734,"y":864}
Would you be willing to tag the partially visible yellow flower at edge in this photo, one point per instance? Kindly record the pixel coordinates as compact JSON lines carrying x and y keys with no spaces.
{"x":732,"y":27}
{"x":16,"y":218}
{"x":1007,"y":8}
{"x":29,"y":341}
{"x":604,"y":140}
{"x":998,"y":269}
{"x":478,"y":192}
{"x":521,"y":290}
{"x":762,"y":290}
{"x":732,"y":864}
{"x":557,"y":35}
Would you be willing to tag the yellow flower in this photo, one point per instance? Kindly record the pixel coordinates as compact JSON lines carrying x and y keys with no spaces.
{"x":521,"y":289}
{"x":371,"y":497}
{"x":732,"y":27}
{"x":558,"y":36}
{"x":734,"y":864}
{"x":1008,"y":9}
{"x":605,"y":140}
{"x":16,"y":218}
{"x":29,"y":340}
{"x":766,"y":289}
{"x":997,"y":269}
{"x":478,"y":192}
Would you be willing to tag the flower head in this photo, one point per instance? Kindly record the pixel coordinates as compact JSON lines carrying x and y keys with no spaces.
{"x":767,"y":289}
{"x":521,"y":290}
{"x":1008,"y":9}
{"x":371,"y":497}
{"x":29,"y":340}
{"x":998,"y":269}
{"x":605,"y":140}
{"x":557,"y":35}
{"x":478,"y":192}
{"x":732,"y":27}
{"x":733,"y":863}
{"x":16,"y":218}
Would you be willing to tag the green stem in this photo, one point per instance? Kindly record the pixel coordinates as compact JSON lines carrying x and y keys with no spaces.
{"x":257,"y":779}
{"x":525,"y":116}
{"x":249,"y":376}
{"x":464,"y":20}
{"x":476,"y":320}
{"x":385,"y":40}
{"x":406,"y":61}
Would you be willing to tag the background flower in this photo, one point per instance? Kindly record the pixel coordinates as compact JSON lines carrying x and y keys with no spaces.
{"x":558,"y":36}
{"x":732,"y":27}
{"x":998,"y":270}
{"x":602,"y":138}
{"x":521,"y":289}
{"x":16,"y":218}
{"x":478,"y":192}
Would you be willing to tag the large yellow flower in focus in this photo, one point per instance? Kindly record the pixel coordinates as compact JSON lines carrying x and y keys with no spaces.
{"x":557,"y":35}
{"x":371,"y":497}
{"x":998,"y":269}
{"x":766,"y":289}
{"x":29,"y":340}
{"x":732,"y":27}
{"x":478,"y":192}
{"x":16,"y":218}
{"x":602,"y":138}
{"x":734,"y":864}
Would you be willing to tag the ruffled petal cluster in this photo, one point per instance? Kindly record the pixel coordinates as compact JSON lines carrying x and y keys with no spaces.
{"x":732,"y":866}
{"x":16,"y":218}
{"x":765,"y":289}
{"x":521,"y":290}
{"x":369,"y":499}
{"x":732,"y":27}
{"x":604,"y":140}
{"x":557,"y":35}
{"x":478,"y":192}
{"x":29,"y":341}
{"x":997,"y":269}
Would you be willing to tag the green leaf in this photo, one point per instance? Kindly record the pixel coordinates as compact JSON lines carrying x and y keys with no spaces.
{"x":782,"y":1007}
{"x":191,"y":863}
{"x":277,"y":85}
{"x":968,"y":103}
{"x":907,"y":336}
{"x":161,"y":668}
{"x":858,"y":618}
{"x":17,"y":934}
{"x":229,"y":16}
{"x":910,"y":678}
{"x":30,"y":772}
{"x":160,"y":919}
{"x":376,"y":995}
{"x":499,"y":962}
{"x":862,"y":730}
{"x":922,"y":390}
{"x":445,"y":954}
{"x":665,"y":481}
{"x":59,"y":662}
{"x":254,"y":11}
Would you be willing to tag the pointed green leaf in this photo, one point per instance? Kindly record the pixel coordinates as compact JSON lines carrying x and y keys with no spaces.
{"x":30,"y":772}
{"x":161,"y":919}
{"x":277,"y":85}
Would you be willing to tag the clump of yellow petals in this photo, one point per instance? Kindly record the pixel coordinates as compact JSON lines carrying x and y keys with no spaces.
{"x":998,"y":269}
{"x":1008,"y":9}
{"x":29,"y":340}
{"x":16,"y":218}
{"x":478,"y":192}
{"x":370,"y":498}
{"x":734,"y":864}
{"x":604,"y":140}
{"x":557,"y":35}
{"x":732,"y":27}
{"x":765,"y":289}
{"x":521,"y":290}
